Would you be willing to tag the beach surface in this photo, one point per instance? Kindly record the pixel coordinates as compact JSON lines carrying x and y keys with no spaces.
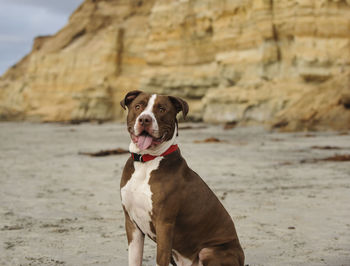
{"x":61,"y":207}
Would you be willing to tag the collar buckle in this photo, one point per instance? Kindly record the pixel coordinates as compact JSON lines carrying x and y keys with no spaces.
{"x":137,"y":157}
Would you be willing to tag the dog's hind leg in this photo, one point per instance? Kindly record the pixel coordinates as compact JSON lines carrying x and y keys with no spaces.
{"x":228,"y":254}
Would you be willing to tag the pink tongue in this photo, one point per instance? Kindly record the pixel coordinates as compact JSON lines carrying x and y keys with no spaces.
{"x":144,"y":142}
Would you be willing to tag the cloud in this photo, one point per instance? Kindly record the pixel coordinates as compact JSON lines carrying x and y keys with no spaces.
{"x":23,"y":20}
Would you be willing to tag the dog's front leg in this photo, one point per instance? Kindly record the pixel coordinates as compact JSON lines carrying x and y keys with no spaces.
{"x":164,"y":243}
{"x":135,"y":241}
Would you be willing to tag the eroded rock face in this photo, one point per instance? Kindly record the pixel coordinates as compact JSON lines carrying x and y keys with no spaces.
{"x":232,"y":60}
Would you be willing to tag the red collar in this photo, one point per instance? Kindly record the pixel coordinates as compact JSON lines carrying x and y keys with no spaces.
{"x":147,"y":157}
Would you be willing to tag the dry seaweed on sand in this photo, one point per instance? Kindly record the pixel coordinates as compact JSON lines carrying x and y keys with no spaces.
{"x":105,"y":152}
{"x":334,"y":158}
{"x":186,"y":127}
{"x":230,"y":125}
{"x":338,"y":158}
{"x":325,"y":147}
{"x":210,"y":140}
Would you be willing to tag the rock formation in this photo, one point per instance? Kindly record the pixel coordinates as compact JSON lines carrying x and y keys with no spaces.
{"x":285,"y":63}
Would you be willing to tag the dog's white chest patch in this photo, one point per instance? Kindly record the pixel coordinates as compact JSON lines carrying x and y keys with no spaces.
{"x":137,"y":195}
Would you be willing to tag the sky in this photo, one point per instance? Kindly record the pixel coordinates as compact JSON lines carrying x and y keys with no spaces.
{"x":22,"y":20}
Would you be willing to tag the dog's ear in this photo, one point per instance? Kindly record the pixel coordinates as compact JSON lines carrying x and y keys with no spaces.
{"x":180,"y":105}
{"x":129,"y":97}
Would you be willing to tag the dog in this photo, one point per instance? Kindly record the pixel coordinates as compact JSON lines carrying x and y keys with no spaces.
{"x":166,"y":200}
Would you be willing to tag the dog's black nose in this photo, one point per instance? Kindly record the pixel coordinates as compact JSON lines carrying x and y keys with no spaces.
{"x":145,"y":120}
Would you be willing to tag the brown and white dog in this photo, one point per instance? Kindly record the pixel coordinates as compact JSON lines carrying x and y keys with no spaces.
{"x":164,"y":199}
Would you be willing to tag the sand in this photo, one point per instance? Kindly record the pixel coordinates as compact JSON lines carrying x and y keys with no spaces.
{"x":61,"y":208}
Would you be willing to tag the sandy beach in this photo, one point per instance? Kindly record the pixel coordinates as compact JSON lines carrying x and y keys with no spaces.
{"x":58,"y":207}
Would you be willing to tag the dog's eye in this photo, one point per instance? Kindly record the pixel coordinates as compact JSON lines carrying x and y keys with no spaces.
{"x":137,"y":106}
{"x":162,"y":109}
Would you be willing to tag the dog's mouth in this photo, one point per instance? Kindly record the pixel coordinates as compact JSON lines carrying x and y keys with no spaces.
{"x":145,"y":140}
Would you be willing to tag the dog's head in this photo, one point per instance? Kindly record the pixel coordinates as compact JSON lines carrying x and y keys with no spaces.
{"x":151,"y":119}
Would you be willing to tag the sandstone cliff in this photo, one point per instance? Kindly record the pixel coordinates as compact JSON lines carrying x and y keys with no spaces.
{"x":286,"y":62}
